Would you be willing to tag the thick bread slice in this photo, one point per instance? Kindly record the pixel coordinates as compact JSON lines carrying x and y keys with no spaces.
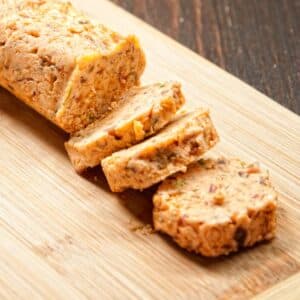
{"x":217,"y":206}
{"x":170,"y":151}
{"x":142,"y":111}
{"x":67,"y":67}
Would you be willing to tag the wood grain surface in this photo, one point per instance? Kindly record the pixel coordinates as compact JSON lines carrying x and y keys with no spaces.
{"x":256,"y":40}
{"x":64,"y":236}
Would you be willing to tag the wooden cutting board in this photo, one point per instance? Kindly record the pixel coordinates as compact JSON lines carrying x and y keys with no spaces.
{"x":63,"y":236}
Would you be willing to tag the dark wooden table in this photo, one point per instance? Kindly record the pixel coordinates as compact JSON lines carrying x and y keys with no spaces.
{"x":256,"y":40}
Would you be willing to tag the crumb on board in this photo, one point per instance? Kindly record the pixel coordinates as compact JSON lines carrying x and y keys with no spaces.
{"x":144,"y":229}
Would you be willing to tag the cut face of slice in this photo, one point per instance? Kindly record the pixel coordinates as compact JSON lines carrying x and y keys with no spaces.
{"x":97,"y":83}
{"x":141,"y":112}
{"x":176,"y":146}
{"x":217,"y":206}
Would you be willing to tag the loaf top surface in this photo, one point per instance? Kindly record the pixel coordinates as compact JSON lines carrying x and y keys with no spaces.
{"x":215,"y":191}
{"x":134,"y":104}
{"x":58,"y":26}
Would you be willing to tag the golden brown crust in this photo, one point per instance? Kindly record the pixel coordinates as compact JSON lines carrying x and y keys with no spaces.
{"x":64,"y":65}
{"x":217,"y":207}
{"x":142,"y":111}
{"x":170,"y":151}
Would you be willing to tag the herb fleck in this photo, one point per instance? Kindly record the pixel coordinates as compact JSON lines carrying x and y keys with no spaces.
{"x":263,"y":180}
{"x":91,"y":117}
{"x":201,"y":162}
{"x":221,"y":161}
{"x":179,"y":183}
{"x":240,"y":236}
{"x":243,"y":174}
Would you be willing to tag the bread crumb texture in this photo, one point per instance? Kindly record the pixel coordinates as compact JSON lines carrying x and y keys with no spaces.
{"x":217,"y":206}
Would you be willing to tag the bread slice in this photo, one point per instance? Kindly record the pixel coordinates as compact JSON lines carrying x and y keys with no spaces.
{"x":179,"y":144}
{"x":66,"y":66}
{"x":217,"y":206}
{"x":142,"y":111}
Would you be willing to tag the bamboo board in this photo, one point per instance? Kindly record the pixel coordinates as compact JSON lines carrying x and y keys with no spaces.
{"x":63,"y":236}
